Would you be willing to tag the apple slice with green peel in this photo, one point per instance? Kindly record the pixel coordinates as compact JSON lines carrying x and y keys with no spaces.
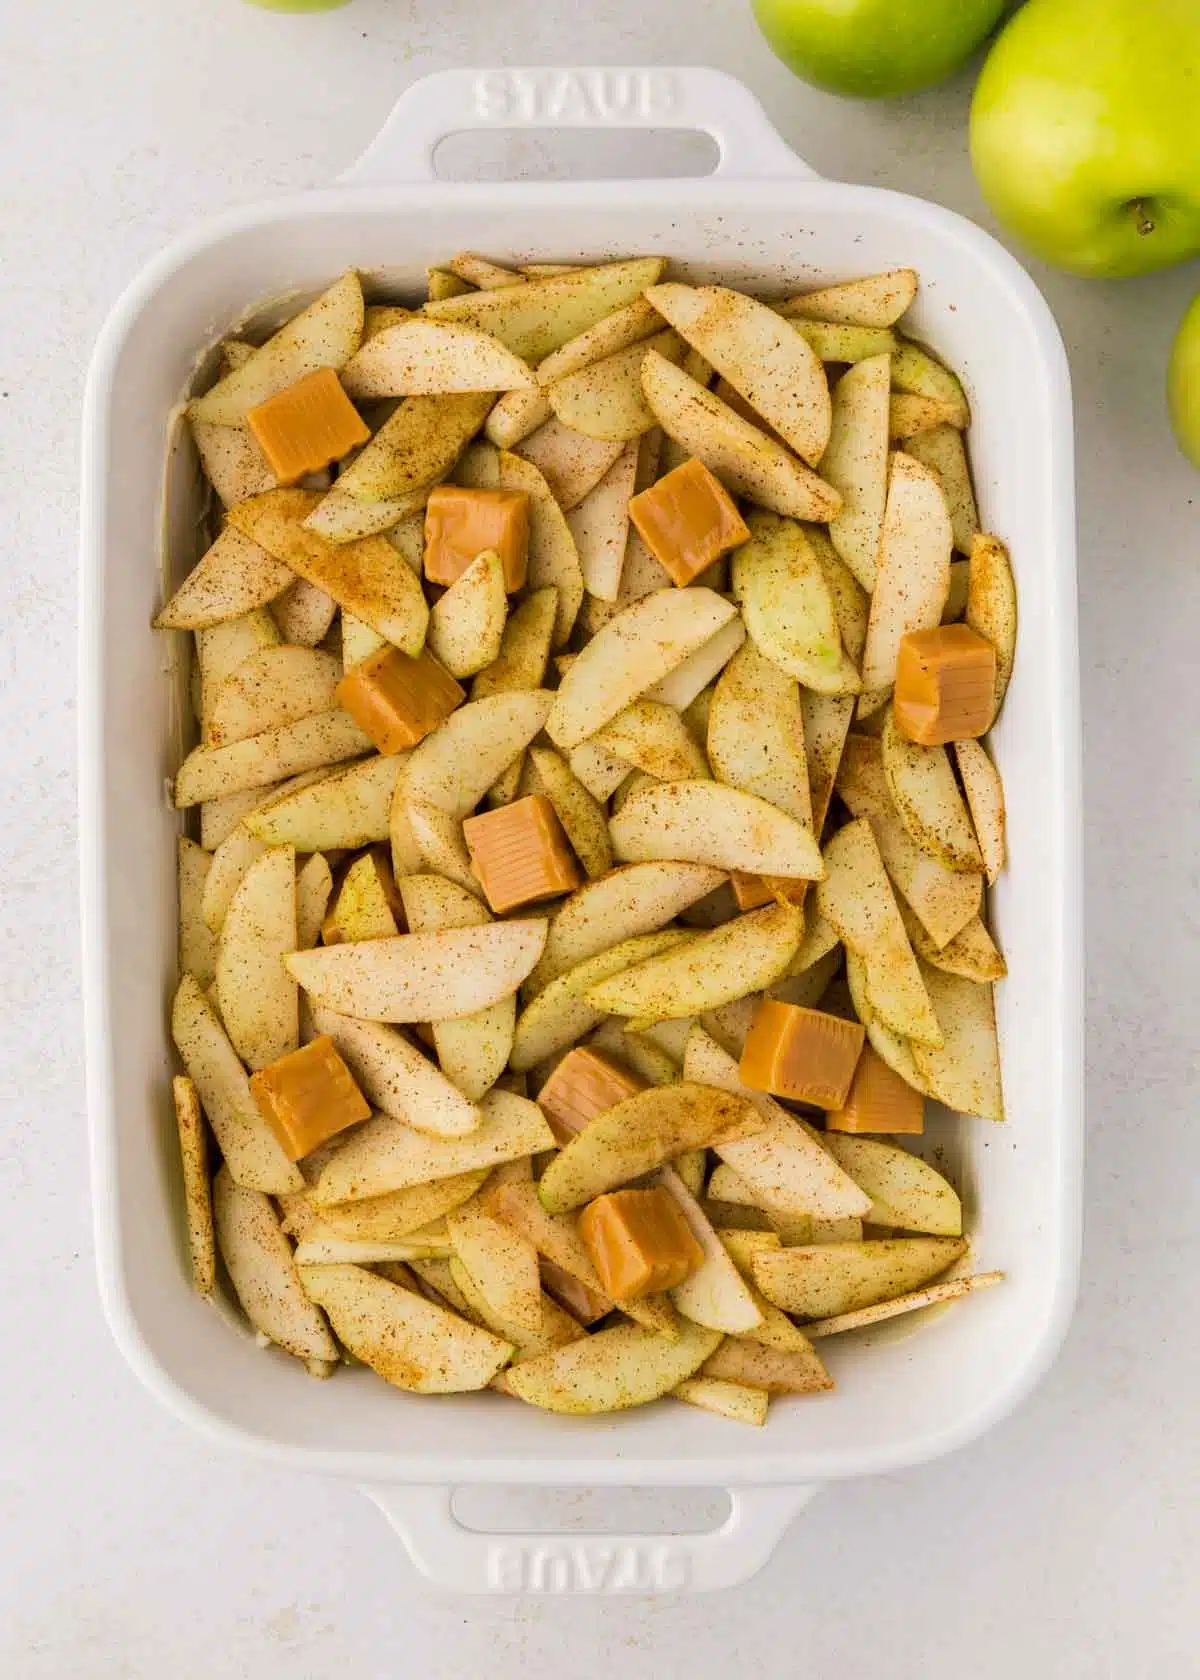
{"x":746,"y":460}
{"x":322,"y":1247}
{"x":455,"y":766}
{"x":258,"y":1258}
{"x":835,"y":342}
{"x":422,"y":976}
{"x":387,"y":1154}
{"x":433,"y":358}
{"x":972,"y":952}
{"x":524,"y":648}
{"x":415,"y":447}
{"x":232,"y":577}
{"x":367,"y":577}
{"x":612,"y":1369}
{"x":560,"y":1014}
{"x":604,"y":400}
{"x":785,"y":1159}
{"x":756,"y":733}
{"x":396,"y":1078}
{"x":636,"y":899}
{"x":914,"y":370}
{"x":992,"y":605}
{"x":542,"y":316}
{"x":347,"y":809}
{"x":891,"y":1047}
{"x":906,"y":1192}
{"x":628,"y":655}
{"x":964,"y":1071}
{"x":928,"y":801}
{"x":878,"y":300}
{"x":855,"y":463}
{"x":409,"y":1341}
{"x":639,"y":1134}
{"x":985,"y":801}
{"x":392,"y":1217}
{"x":617,"y":331}
{"x":553,"y":557}
{"x":824,"y":1279}
{"x":909,"y":415}
{"x":787,"y":605}
{"x":763,"y":357}
{"x":473,"y":1051}
{"x":856,"y":896}
{"x":715,"y":1294}
{"x":773,"y":1370}
{"x":913,"y":577}
{"x":258,"y":997}
{"x":941,"y":449}
{"x":582,"y":817}
{"x":933,"y":1295}
{"x":326,"y":334}
{"x":707,"y":822}
{"x":712,"y":969}
{"x":344,"y":518}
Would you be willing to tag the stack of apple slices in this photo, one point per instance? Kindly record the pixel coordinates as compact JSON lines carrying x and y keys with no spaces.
{"x":736,"y":731}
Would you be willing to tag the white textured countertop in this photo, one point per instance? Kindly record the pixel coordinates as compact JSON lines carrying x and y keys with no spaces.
{"x":1063,"y":1543}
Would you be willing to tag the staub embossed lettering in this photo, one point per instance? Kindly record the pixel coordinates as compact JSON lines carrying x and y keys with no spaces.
{"x":575,"y":96}
{"x":567,"y":1567}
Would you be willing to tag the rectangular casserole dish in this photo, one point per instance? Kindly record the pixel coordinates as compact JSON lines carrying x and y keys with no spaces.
{"x":762,"y":220}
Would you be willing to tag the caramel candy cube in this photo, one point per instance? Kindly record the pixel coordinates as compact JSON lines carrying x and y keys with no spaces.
{"x":582,"y":1086}
{"x":687,"y":520}
{"x":751,"y":891}
{"x":460,"y":524}
{"x":396,"y":700}
{"x":802,"y":1054}
{"x":520,"y":853}
{"x":879,"y":1101}
{"x":945,"y":685}
{"x":307,"y":426}
{"x":308,"y":1097}
{"x":639,"y":1242}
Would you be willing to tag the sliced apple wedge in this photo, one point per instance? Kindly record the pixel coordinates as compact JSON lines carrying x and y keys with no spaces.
{"x":909,"y":415}
{"x":785,"y":1159}
{"x":879,"y":300}
{"x":387,"y":1154}
{"x":555,"y":1236}
{"x":742,"y":1360}
{"x":600,"y":772}
{"x":762,"y":356}
{"x":972,"y":952}
{"x":232,"y":577}
{"x":941,"y":449}
{"x":731,"y":1400}
{"x":756,"y":734}
{"x":913,"y":578}
{"x":310,"y":743}
{"x":582,"y":817}
{"x":396,"y":1078}
{"x":985,"y":801}
{"x":604,"y":400}
{"x":914,"y":370}
{"x":746,"y":460}
{"x":474,"y":1050}
{"x":992,"y":604}
{"x":707,"y":822}
{"x":628,"y":325}
{"x":314,"y":889}
{"x":553,"y":557}
{"x":571,"y":462}
{"x":454,"y":767}
{"x":434,"y":358}
{"x":271,"y":688}
{"x":789,"y":610}
{"x":438,"y":839}
{"x":304,"y":613}
{"x":422,"y":976}
{"x":639,"y":1134}
{"x":196,"y":951}
{"x":197,"y":1197}
{"x":611,"y":1369}
{"x":392,"y":1217}
{"x":409,"y":1341}
{"x":964,"y":1071}
{"x":828,"y":1278}
{"x":500,"y":1262}
{"x":341,"y":517}
{"x":653,"y":736}
{"x":233,"y":463}
{"x":892,"y":1047}
{"x":639,"y":898}
{"x":714,"y":968}
{"x":715,"y":1294}
{"x":524,"y":648}
{"x":258,"y":1258}
{"x":928,"y":801}
{"x":855,"y":463}
{"x":466,"y":624}
{"x":856,"y":896}
{"x":931,"y":1296}
{"x":326,"y":334}
{"x":516,"y":415}
{"x":258,"y":997}
{"x":599,"y":525}
{"x":415,"y":447}
{"x":368,"y":577}
{"x":906,"y":1192}
{"x":632,"y":652}
{"x":554,"y":1329}
{"x":347,"y":809}
{"x":683,"y":685}
{"x":540,"y":317}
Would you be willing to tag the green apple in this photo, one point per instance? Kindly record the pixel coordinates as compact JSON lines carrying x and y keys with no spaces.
{"x":875,"y":47}
{"x":1183,"y":383}
{"x":1085,"y":132}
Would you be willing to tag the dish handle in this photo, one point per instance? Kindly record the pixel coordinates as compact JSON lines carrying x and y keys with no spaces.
{"x":464,"y":1560}
{"x":696,"y":98}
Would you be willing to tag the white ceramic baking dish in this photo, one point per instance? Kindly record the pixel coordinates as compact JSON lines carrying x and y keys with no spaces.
{"x":763,"y":220}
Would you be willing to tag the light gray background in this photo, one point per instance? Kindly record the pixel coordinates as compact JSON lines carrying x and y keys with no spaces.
{"x":1064,"y":1543}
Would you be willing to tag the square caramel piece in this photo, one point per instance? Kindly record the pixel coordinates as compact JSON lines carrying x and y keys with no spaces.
{"x":308,"y":426}
{"x":583,"y":1085}
{"x":945,"y":685}
{"x":520,"y":853}
{"x":879,"y":1101}
{"x":460,"y":524}
{"x":308,"y":1097}
{"x":639,"y":1242}
{"x":396,"y":700}
{"x":687,"y":520}
{"x":751,"y":891}
{"x":802,"y":1054}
